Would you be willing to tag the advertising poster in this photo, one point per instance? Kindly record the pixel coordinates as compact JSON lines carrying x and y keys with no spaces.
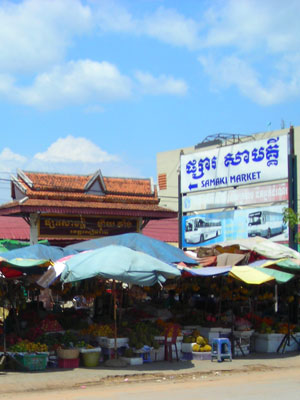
{"x":203,"y":229}
{"x":277,"y":192}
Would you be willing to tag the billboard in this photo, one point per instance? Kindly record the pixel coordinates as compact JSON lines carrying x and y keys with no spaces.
{"x":203,"y":229}
{"x":245,"y":163}
{"x":277,"y":192}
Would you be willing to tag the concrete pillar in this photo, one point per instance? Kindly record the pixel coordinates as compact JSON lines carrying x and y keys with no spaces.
{"x":34,"y":220}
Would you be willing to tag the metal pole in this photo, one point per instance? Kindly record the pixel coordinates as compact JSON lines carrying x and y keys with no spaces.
{"x":292,"y":186}
{"x":179,"y":205}
{"x":115,"y":318}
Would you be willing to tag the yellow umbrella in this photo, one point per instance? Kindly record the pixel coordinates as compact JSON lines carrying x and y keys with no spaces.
{"x":250,"y":275}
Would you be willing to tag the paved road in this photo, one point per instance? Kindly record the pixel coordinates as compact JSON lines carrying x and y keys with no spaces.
{"x":258,"y":385}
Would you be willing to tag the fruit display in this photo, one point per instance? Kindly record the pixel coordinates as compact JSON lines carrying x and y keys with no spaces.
{"x":205,"y":348}
{"x":64,"y":340}
{"x":192,"y":338}
{"x":143,"y":334}
{"x":200,"y":343}
{"x":50,"y":325}
{"x":167,"y":327}
{"x":98,"y":330}
{"x":25,"y":346}
{"x":266,"y":296}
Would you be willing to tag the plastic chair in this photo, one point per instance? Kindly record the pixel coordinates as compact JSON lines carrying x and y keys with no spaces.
{"x":170,"y":342}
{"x":221,"y":349}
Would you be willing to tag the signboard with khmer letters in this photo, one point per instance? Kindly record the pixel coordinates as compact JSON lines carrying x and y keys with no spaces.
{"x":82,"y":227}
{"x":245,"y":163}
{"x":272,"y":193}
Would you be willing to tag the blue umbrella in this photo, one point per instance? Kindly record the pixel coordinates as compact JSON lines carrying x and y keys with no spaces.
{"x":137,"y":241}
{"x":39,"y":252}
{"x":118,"y":263}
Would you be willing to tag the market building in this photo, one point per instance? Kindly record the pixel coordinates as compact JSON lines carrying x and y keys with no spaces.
{"x":68,"y":208}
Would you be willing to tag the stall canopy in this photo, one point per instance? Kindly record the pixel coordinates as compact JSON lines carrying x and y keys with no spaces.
{"x":279,"y":276}
{"x":253,"y":261}
{"x":250,"y":275}
{"x":12,"y":244}
{"x":139,"y":242}
{"x":18,"y":267}
{"x":264,"y":247}
{"x":38,"y":252}
{"x":118,"y":263}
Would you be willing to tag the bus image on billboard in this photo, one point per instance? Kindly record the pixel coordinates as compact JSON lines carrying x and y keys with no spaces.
{"x":198,"y":230}
{"x":265,"y":224}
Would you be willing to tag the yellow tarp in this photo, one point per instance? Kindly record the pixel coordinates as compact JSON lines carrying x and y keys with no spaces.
{"x":250,"y":275}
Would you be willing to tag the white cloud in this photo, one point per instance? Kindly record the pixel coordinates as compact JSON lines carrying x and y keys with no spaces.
{"x":78,"y":82}
{"x":35,"y":34}
{"x":163,"y":24}
{"x":232,"y":71}
{"x":113,"y":17}
{"x":258,"y":46}
{"x":161,"y":85}
{"x":171,"y":27}
{"x":8,"y":155}
{"x":9,"y":160}
{"x":71,"y":149}
{"x":35,"y":38}
{"x":250,"y":25}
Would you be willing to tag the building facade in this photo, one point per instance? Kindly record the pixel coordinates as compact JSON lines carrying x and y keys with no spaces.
{"x":231,"y":186}
{"x":68,"y":208}
{"x":168,"y":162}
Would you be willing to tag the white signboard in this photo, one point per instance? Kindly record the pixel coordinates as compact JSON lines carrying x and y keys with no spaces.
{"x":239,"y":164}
{"x":236,"y":197}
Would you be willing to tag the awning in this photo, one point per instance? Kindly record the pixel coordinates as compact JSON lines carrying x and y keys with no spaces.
{"x":17,"y":267}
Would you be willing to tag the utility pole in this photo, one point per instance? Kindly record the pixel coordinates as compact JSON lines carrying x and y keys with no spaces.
{"x":292,"y":187}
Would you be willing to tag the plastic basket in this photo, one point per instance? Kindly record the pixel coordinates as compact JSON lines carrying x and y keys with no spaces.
{"x":68,"y":362}
{"x":67,"y":354}
{"x":91,"y":359}
{"x":33,"y":362}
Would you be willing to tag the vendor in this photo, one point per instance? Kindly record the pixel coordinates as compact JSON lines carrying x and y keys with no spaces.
{"x":171,"y":300}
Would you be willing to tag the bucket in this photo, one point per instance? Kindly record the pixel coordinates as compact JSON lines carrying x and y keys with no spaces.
{"x":91,"y":359}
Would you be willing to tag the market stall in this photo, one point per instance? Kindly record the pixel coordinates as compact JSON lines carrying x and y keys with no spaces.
{"x":103,"y":311}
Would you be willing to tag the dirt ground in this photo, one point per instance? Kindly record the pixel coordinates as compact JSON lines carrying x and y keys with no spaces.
{"x":178,"y":386}
{"x":59,"y":384}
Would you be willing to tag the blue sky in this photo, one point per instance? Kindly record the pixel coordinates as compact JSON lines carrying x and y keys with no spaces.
{"x":104,"y":84}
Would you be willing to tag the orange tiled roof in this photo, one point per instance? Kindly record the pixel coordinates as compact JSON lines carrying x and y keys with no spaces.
{"x":34,"y":190}
{"x":43,"y":182}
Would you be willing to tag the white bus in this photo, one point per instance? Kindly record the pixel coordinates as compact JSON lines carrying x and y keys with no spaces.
{"x":265,"y":223}
{"x":198,"y":229}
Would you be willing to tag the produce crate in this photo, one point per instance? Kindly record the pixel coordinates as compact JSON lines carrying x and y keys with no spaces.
{"x":158,"y":354}
{"x":245,"y":348}
{"x":243,"y":334}
{"x":162,"y":338}
{"x":269,"y":342}
{"x":32,"y":362}
{"x":201,"y":355}
{"x":68,"y":362}
{"x":133,"y":360}
{"x":101,"y":340}
{"x":110,"y":342}
{"x":187,"y":347}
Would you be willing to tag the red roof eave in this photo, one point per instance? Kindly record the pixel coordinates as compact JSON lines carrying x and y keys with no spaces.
{"x":23,"y":209}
